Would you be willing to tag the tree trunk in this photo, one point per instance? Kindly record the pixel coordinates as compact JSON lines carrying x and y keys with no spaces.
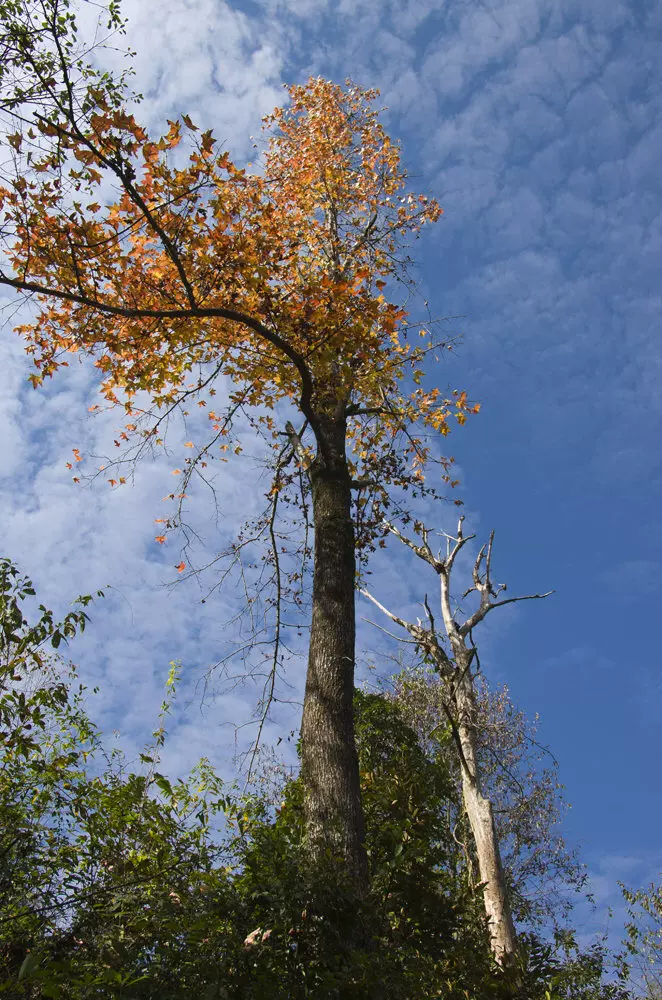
{"x":501,"y":928}
{"x":329,"y":762}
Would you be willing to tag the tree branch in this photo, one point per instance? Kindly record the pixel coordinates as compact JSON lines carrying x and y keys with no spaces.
{"x":193,"y":312}
{"x":422,"y":551}
{"x":478,"y":615}
{"x":297,"y":446}
{"x":425,"y":638}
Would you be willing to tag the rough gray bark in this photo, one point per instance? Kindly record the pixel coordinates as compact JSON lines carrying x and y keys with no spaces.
{"x":456,"y":670}
{"x":329,"y":762}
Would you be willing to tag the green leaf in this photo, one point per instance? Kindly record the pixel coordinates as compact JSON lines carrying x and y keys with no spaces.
{"x":28,"y":965}
{"x":162,"y":782}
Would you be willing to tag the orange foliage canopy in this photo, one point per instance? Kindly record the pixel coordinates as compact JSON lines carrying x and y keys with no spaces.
{"x":171,"y":266}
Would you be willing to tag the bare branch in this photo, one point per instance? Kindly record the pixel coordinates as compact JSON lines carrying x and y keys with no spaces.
{"x":478,"y":583}
{"x":488,"y":566}
{"x":460,"y":541}
{"x":270,"y":683}
{"x":392,"y":635}
{"x":422,"y":551}
{"x":425,"y":639}
{"x":429,"y":614}
{"x":297,"y":446}
{"x":478,"y":615}
{"x":389,"y":614}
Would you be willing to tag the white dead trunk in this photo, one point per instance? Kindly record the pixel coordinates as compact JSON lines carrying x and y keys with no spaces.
{"x":461,"y":710}
{"x":501,"y":928}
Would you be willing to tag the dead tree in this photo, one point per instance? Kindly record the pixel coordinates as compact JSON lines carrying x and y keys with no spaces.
{"x":458,"y":672}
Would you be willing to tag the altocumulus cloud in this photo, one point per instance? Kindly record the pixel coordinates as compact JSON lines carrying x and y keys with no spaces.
{"x":538,"y":125}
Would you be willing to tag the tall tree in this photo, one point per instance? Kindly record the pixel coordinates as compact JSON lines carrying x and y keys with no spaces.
{"x":520,"y":776}
{"x":175,"y":272}
{"x":458,"y":670}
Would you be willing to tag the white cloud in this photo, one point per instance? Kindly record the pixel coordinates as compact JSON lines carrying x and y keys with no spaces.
{"x":537,"y":125}
{"x":203,"y":58}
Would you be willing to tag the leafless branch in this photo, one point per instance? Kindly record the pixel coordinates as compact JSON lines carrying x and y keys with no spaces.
{"x":426,"y":639}
{"x":488,"y":606}
{"x":423,"y":551}
{"x":297,"y":445}
{"x":392,"y":635}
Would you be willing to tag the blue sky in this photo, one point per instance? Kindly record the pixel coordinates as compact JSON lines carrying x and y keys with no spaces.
{"x":538,"y":126}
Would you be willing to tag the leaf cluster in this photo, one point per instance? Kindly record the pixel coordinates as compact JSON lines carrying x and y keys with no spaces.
{"x":177,"y":269}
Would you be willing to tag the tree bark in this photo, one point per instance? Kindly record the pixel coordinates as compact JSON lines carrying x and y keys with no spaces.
{"x":461,"y":709}
{"x":329,"y":762}
{"x":503,"y":941}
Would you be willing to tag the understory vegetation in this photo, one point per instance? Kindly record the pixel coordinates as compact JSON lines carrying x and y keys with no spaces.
{"x":116,"y":880}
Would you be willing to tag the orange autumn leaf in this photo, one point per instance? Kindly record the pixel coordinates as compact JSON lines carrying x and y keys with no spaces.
{"x":180,"y":567}
{"x":273,"y":277}
{"x":160,"y":539}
